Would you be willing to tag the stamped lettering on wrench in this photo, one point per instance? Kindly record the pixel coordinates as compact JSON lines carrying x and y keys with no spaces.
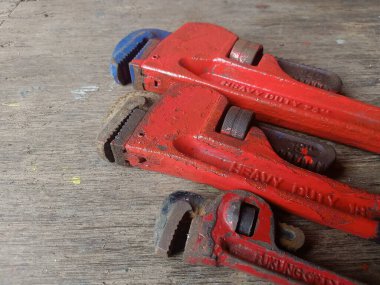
{"x":256,"y":174}
{"x":282,"y":266}
{"x":264,"y":177}
{"x":274,"y":97}
{"x":311,"y":194}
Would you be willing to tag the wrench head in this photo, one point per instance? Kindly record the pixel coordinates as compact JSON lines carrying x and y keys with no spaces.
{"x":185,"y":216}
{"x":129,"y":48}
{"x":120,"y":124}
{"x":173,"y":224}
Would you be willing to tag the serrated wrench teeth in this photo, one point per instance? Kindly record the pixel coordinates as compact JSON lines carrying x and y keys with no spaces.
{"x":120,"y":123}
{"x":172,"y":226}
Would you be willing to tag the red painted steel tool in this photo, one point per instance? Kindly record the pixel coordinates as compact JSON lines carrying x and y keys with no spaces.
{"x":280,"y":92}
{"x":193,"y":132}
{"x":236,"y":230}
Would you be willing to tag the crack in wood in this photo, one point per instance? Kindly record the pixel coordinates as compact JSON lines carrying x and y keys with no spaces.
{"x":11,"y":12}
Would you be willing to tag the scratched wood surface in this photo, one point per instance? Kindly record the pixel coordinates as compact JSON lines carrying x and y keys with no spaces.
{"x":66,"y":216}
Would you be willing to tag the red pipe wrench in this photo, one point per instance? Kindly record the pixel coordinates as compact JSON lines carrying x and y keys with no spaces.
{"x":236,"y":230}
{"x":282,"y":93}
{"x":189,"y":133}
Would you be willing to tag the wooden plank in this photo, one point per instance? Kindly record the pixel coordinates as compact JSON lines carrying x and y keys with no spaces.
{"x":55,"y":89}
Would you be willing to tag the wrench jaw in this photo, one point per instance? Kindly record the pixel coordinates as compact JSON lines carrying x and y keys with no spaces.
{"x":129,"y":48}
{"x":200,"y":244}
{"x":120,"y":124}
{"x":172,"y":226}
{"x":230,"y":219}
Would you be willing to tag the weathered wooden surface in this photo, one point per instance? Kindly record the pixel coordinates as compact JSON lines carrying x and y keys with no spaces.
{"x":67,"y":217}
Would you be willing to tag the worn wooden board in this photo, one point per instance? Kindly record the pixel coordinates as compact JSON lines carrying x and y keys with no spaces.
{"x":66,"y":216}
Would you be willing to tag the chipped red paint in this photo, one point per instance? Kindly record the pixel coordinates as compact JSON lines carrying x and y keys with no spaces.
{"x":258,"y":254}
{"x":181,"y":139}
{"x":307,"y":158}
{"x":304,"y":150}
{"x":198,"y":53}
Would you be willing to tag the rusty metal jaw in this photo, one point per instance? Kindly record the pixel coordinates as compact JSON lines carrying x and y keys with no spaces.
{"x":120,"y":123}
{"x":236,"y":230}
{"x":173,"y":223}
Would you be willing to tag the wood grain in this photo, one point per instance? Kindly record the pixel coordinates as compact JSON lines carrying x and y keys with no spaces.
{"x":55,"y":230}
